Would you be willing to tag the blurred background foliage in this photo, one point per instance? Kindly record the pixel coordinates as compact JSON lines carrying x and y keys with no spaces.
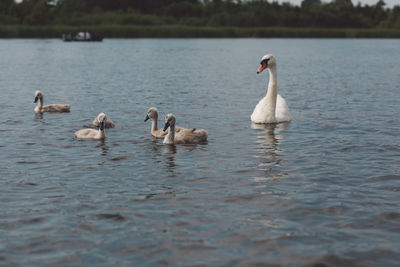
{"x":206,"y":13}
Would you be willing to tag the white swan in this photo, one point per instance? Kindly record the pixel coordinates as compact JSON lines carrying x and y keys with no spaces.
{"x":185,"y":136}
{"x":92,"y":133}
{"x":152,"y":113}
{"x":108,"y":124}
{"x":272,"y":108}
{"x":49,"y":108}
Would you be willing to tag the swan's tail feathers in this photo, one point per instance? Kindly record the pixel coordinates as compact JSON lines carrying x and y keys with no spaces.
{"x":62,"y":107}
{"x":203,"y":134}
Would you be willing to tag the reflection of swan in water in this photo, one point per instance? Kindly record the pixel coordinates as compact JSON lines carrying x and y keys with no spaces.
{"x":268,"y":150}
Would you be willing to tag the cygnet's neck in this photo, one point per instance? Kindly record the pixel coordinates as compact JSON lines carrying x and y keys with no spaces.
{"x":170,"y":137}
{"x":154,"y":126}
{"x":101,"y":134}
{"x":39,"y":104}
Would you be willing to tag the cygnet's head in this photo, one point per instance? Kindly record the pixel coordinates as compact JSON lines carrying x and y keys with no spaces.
{"x":170,"y":120}
{"x":101,"y":118}
{"x":152,"y":113}
{"x":267,"y":61}
{"x":38,"y":95}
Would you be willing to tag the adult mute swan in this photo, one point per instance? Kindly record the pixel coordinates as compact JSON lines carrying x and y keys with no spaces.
{"x":108,"y":124}
{"x":184,"y":136}
{"x":272,"y":108}
{"x":92,"y":133}
{"x":152,"y":113}
{"x":49,"y":108}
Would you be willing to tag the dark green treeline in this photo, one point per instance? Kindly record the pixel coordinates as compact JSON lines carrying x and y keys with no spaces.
{"x":237,"y":16}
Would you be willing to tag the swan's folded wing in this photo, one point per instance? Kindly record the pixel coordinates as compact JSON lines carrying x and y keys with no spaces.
{"x":282,"y":111}
{"x":56,"y":108}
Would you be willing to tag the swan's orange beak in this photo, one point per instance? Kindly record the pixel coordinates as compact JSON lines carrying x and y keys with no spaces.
{"x":262,"y":67}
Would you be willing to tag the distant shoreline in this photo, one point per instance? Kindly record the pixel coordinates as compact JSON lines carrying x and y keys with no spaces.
{"x":178,"y":31}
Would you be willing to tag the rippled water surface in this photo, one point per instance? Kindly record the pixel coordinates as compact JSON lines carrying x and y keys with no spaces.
{"x":321,"y":189}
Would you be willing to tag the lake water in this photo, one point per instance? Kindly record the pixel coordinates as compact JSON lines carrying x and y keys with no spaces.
{"x":323,"y":189}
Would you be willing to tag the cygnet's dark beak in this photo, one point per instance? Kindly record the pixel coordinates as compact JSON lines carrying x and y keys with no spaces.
{"x":101,"y":124}
{"x":36,"y":99}
{"x":147,"y":117}
{"x":166,"y":126}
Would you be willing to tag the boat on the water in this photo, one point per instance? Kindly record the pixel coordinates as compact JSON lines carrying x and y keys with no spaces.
{"x":81,"y":37}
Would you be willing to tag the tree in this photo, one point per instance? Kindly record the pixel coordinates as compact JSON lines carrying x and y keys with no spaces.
{"x":308,"y":3}
{"x":40,"y":13}
{"x":343,"y":3}
{"x":5,"y":6}
{"x":393,"y":19}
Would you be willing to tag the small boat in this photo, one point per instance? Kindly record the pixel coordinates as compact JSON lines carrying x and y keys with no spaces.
{"x":82,"y":37}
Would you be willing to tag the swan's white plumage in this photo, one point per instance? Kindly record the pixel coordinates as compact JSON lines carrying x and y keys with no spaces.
{"x":261,"y":113}
{"x":272,"y":108}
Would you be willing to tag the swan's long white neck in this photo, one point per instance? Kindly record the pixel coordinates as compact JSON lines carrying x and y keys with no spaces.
{"x":170,"y":137}
{"x":272,"y":92}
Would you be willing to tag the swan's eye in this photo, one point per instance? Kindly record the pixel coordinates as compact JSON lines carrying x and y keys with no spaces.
{"x":264,"y":61}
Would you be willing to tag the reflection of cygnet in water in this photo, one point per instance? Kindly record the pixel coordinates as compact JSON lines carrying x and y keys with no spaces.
{"x":170,"y":156}
{"x":104,"y":147}
{"x":170,"y":149}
